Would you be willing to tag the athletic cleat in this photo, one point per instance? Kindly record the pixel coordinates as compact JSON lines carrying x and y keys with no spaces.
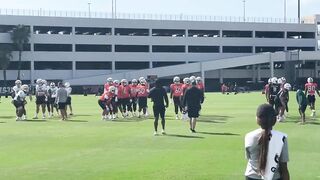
{"x":155,"y":133}
{"x":177,"y":117}
{"x":24,"y":118}
{"x":18,"y":119}
{"x":163,"y":132}
{"x":36,"y":117}
{"x":71,"y":114}
{"x":43,"y":116}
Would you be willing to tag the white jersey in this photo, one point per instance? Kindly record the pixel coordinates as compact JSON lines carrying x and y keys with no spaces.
{"x":20,"y":96}
{"x":69,"y":90}
{"x":16,"y":89}
{"x":41,"y":90}
{"x":52,"y":92}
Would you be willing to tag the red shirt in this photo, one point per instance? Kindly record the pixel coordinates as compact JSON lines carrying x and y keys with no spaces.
{"x":266,"y":88}
{"x":311,"y":88}
{"x":133,"y":90}
{"x":184,"y":88}
{"x":107,"y":86}
{"x":200,"y":86}
{"x":123,"y":92}
{"x":107,"y":97}
{"x":143,"y":91}
{"x":176,"y":89}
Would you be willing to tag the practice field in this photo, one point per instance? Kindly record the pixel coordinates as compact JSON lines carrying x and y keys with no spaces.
{"x":88,"y":148}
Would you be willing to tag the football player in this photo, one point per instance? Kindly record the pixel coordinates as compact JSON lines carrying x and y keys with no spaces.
{"x":310,"y":89}
{"x":175,"y":95}
{"x":41,"y":95}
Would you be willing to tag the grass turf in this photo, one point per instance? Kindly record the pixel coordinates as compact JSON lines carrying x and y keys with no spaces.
{"x":88,"y":148}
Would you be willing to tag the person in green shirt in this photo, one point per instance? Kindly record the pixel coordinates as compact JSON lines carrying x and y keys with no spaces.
{"x":302,"y":102}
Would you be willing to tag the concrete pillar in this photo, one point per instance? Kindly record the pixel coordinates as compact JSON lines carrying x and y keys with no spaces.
{"x":253,"y":73}
{"x":32,"y":72}
{"x":74,"y":69}
{"x":271,"y":66}
{"x":221,"y":75}
{"x":113,"y":66}
{"x":150,"y":64}
{"x":203,"y":77}
{"x":258,"y":73}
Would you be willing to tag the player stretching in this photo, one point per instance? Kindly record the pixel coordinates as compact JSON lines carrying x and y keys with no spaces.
{"x":105,"y":102}
{"x":310,"y":88}
{"x":175,"y":95}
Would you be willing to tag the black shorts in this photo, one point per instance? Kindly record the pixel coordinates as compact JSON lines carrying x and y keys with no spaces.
{"x":125,"y":101}
{"x":143,"y":101}
{"x":51,"y":100}
{"x":61,"y":105}
{"x":193,"y":112}
{"x":303,"y":108}
{"x":177,"y":100}
{"x":102,"y":104}
{"x":159,"y":111}
{"x":40,"y":100}
{"x":311,"y":99}
{"x":68,"y":100}
{"x":18,"y":104}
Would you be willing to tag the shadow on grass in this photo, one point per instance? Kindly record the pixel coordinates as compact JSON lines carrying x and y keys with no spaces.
{"x":130,"y":120}
{"x":7,"y":117}
{"x":184,"y":136}
{"x":219,"y":134}
{"x":313,"y":122}
{"x":81,"y":121}
{"x":33,"y":121}
{"x":2,"y":122}
{"x":80,"y":115}
{"x":213,"y":119}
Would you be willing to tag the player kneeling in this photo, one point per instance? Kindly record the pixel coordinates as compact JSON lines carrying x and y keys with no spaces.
{"x":105,"y":102}
{"x":19,"y":101}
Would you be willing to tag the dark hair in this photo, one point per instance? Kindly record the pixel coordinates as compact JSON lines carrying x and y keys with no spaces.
{"x":266,"y":116}
{"x":158,"y":83}
{"x":60,"y":84}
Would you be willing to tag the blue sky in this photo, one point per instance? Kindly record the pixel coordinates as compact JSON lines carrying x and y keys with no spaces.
{"x":254,"y":8}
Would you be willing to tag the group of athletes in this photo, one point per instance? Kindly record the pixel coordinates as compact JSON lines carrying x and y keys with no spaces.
{"x":45,"y":98}
{"x":130,"y":98}
{"x":277,"y":95}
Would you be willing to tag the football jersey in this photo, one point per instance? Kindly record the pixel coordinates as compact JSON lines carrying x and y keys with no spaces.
{"x":107,"y":97}
{"x":16,"y":89}
{"x":69,"y":90}
{"x":123,"y":92}
{"x":41,"y":90}
{"x":133,"y":90}
{"x":106,"y":86}
{"x":311,"y":88}
{"x":200,"y":86}
{"x":143,"y":91}
{"x":274,"y":89}
{"x":52,"y":92}
{"x":176,"y":89}
{"x":20,"y":96}
{"x":185,"y":87}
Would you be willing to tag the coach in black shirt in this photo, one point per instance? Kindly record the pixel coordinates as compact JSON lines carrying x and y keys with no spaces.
{"x":192,"y":102}
{"x":158,"y":95}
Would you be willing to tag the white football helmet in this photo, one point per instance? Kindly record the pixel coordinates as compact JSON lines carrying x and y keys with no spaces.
{"x":18,"y":82}
{"x":198,"y":79}
{"x":186,"y":81}
{"x":141,"y":78}
{"x":134,"y":81}
{"x":143,"y":81}
{"x":280,"y":81}
{"x":44,"y":82}
{"x":124,"y":82}
{"x":52,"y":84}
{"x":116,"y":82}
{"x":25,"y":88}
{"x":112,"y":89}
{"x":192,"y":78}
{"x":274,"y":80}
{"x":67,"y":84}
{"x":176,"y":79}
{"x":283,"y":79}
{"x":109,"y":80}
{"x":310,"y":80}
{"x":269,"y":80}
{"x":39,"y":81}
{"x":287,"y":86}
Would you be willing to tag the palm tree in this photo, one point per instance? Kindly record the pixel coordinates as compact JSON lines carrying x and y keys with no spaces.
{"x":20,"y":36}
{"x":5,"y":57}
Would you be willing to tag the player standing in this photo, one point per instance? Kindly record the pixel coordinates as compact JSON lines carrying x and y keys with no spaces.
{"x":310,"y":88}
{"x":108,"y":84}
{"x":52,"y":94}
{"x":124,"y":97}
{"x":68,"y":103}
{"x":41,"y":93}
{"x":133,"y":95}
{"x":142,"y":95}
{"x":175,"y":95}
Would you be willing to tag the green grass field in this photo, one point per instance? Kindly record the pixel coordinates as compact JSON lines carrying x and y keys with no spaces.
{"x":87,"y":148}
